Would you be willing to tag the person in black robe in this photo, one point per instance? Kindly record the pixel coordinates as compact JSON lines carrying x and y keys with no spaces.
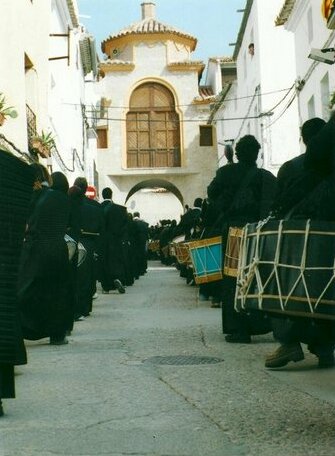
{"x":141,"y":242}
{"x":16,"y":186}
{"x":241,"y":193}
{"x":306,"y":192}
{"x":44,"y":275}
{"x":90,"y":215}
{"x":115,"y":252}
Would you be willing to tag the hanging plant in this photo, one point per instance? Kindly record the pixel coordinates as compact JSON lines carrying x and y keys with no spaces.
{"x":6,"y":111}
{"x":43,"y":143}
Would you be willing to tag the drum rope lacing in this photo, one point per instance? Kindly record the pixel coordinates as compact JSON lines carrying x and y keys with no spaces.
{"x":249,"y":272}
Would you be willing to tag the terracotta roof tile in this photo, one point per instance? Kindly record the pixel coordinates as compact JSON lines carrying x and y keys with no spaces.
{"x":149,"y":26}
{"x":285,"y":12}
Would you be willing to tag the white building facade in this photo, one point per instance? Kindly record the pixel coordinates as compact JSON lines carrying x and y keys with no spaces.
{"x":47,"y":61}
{"x":303,"y":18}
{"x":261,"y":100}
{"x":153,"y":128}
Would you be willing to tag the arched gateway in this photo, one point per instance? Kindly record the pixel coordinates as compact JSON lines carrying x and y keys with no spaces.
{"x":156,"y":183}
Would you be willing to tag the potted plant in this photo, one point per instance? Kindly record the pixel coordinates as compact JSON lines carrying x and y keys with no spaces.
{"x":5,"y":111}
{"x":42,"y":143}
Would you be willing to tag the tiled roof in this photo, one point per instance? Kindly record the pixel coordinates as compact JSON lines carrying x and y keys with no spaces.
{"x":222,"y":59}
{"x":73,"y":10}
{"x":285,"y":12}
{"x":116,"y":62}
{"x":147,"y":27}
{"x":187,"y":62}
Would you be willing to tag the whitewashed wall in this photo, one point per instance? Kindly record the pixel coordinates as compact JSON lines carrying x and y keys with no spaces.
{"x":310,"y":31}
{"x":260,"y":78}
{"x":24,"y":30}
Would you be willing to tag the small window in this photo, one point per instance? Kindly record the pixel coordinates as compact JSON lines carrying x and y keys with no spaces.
{"x":102,"y":142}
{"x":251,"y":49}
{"x":206,"y":135}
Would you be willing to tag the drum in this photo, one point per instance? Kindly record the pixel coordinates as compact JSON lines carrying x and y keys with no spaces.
{"x":182,"y":252}
{"x":232,"y":251}
{"x":153,"y":246}
{"x":82,"y":252}
{"x":71,"y":245}
{"x":288,"y":268}
{"x":206,"y":257}
{"x":165,"y":251}
{"x":173,"y":245}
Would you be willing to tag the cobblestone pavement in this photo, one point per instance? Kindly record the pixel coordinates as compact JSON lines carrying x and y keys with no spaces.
{"x":102,"y":395}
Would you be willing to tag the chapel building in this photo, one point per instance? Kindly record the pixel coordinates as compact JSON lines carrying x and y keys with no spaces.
{"x":153,"y":126}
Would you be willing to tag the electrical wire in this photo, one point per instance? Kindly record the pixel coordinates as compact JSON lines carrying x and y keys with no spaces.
{"x":214,"y":103}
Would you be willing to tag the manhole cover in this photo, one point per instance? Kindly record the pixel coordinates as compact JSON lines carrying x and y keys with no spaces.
{"x":182,"y":360}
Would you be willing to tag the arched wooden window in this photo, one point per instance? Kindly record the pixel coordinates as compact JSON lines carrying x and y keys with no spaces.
{"x":153,"y":138}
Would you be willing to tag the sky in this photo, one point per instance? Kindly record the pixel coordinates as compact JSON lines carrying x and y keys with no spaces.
{"x":215,"y":23}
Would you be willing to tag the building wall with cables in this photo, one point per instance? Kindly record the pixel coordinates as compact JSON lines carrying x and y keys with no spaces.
{"x":69,"y":97}
{"x":262,"y":101}
{"x":316,"y":80}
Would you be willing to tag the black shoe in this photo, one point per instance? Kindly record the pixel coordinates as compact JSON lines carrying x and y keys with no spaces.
{"x":55,"y":341}
{"x":118,"y":285}
{"x":238,"y":338}
{"x":284,"y":354}
{"x":1,"y":409}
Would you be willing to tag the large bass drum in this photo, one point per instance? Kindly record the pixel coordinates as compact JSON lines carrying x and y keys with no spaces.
{"x":288,"y":268}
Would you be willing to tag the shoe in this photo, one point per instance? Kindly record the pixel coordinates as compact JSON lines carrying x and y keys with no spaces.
{"x":284,"y":354}
{"x":105,"y":292}
{"x":118,"y":285}
{"x":80,"y":318}
{"x":63,"y":341}
{"x":95,"y":296}
{"x":1,"y":409}
{"x":236,"y":338}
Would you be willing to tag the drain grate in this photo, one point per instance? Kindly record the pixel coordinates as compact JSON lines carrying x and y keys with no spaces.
{"x":182,"y":360}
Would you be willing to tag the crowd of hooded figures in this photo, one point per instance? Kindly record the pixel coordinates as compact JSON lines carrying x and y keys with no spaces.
{"x":240,"y":194}
{"x":56,"y":244}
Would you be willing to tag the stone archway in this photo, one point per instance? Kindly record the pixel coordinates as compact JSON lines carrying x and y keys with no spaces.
{"x":156,"y":183}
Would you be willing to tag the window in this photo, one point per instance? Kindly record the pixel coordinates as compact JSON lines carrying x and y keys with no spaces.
{"x":153,"y":135}
{"x":102,"y":141}
{"x":206,"y":135}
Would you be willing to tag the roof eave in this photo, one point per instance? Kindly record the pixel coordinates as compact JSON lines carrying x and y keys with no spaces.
{"x":244,"y":22}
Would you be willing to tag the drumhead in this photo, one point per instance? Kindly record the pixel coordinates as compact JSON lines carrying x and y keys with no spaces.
{"x":81,"y":254}
{"x":179,"y":239}
{"x":71,"y":245}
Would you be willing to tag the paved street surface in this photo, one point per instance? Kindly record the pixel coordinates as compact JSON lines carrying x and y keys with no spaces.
{"x":101,"y":395}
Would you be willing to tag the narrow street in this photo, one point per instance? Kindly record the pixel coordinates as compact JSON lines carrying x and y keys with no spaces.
{"x":103,"y":394}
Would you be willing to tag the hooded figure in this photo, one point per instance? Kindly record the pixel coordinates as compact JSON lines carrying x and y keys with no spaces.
{"x":44,"y":275}
{"x":16,"y":186}
{"x":241,"y":193}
